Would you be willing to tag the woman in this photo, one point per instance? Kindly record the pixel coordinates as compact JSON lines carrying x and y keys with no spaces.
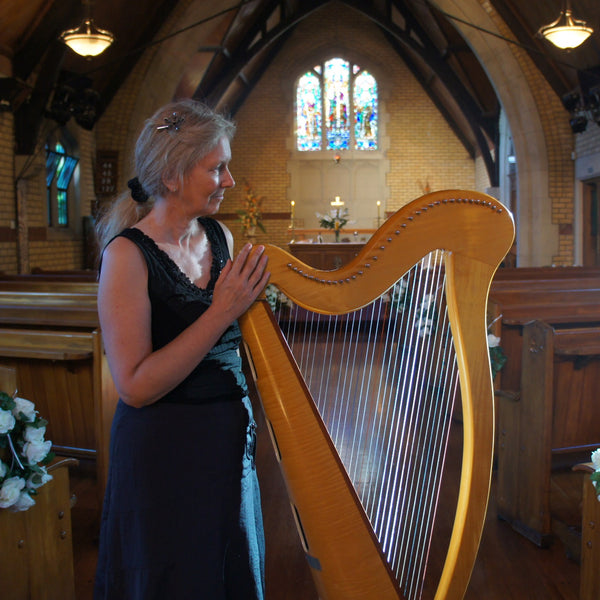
{"x":181,"y":515}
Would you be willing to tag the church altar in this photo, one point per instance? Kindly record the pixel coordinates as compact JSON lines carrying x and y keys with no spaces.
{"x":326,"y":256}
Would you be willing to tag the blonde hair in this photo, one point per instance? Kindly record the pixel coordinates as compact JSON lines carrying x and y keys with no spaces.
{"x":172,"y":141}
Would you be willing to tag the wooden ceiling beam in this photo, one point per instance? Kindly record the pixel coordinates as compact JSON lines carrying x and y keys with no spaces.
{"x":484,"y":129}
{"x":222,"y":73}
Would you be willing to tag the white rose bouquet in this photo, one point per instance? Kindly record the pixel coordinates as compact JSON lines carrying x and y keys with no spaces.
{"x":497,"y":356}
{"x":276,"y":298}
{"x":595,"y":476}
{"x":24,"y":453}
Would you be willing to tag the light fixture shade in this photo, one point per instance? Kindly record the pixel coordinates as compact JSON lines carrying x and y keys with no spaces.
{"x":566,"y":32}
{"x":87,"y":39}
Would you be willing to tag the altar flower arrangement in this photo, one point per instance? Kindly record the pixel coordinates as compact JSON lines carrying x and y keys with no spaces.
{"x":595,"y":476}
{"x":250,"y":215}
{"x":336,"y":219}
{"x":24,"y":453}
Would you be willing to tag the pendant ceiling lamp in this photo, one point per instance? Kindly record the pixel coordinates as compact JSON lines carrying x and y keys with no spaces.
{"x":87,"y":39}
{"x":566,"y":32}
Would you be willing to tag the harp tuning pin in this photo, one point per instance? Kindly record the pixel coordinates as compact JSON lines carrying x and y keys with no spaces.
{"x":389,"y":239}
{"x":397,"y":232}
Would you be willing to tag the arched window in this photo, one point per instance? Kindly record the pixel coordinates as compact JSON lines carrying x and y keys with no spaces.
{"x":336,"y":108}
{"x":60,"y":167}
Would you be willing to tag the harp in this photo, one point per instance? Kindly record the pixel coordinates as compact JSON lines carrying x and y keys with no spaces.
{"x":358,"y":377}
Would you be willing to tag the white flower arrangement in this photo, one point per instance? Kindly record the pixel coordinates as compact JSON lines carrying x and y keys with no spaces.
{"x":595,"y":476}
{"x":425,"y":314}
{"x":24,"y":453}
{"x":336,"y":219}
{"x":497,"y":356}
{"x":276,"y":298}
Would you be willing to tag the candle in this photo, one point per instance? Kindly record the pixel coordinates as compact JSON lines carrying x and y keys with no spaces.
{"x":337,"y":202}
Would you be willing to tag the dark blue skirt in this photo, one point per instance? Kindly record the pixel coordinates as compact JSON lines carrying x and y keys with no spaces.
{"x":182,"y":516}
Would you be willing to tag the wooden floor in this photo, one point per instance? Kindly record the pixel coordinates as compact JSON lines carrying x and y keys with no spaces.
{"x":508,"y":567}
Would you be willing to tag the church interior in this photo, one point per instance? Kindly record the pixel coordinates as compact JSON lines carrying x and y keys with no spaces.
{"x":346,"y":112}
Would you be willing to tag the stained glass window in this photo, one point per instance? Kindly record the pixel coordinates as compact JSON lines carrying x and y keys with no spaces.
{"x":365,"y":111}
{"x":59,"y":171}
{"x":336,"y":108}
{"x":308,"y":102}
{"x":337,"y":94}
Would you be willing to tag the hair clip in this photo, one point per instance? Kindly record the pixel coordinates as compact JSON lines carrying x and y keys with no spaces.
{"x":172,"y":123}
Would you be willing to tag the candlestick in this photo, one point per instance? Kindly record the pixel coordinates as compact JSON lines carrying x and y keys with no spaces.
{"x":292,"y":225}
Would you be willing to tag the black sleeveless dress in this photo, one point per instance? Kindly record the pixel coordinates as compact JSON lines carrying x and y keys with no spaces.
{"x":181,"y":517}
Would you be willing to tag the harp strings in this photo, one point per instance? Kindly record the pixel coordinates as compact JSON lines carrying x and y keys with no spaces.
{"x":384,"y":380}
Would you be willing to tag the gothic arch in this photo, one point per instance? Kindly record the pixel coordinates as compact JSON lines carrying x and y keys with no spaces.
{"x":537,"y":236}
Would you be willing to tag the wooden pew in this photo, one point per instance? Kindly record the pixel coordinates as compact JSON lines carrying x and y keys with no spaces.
{"x":36,"y":549}
{"x":561,"y":303}
{"x":66,"y":275}
{"x":53,"y":341}
{"x":49,"y":309}
{"x":590,"y":537}
{"x":557,"y":411}
{"x":47,"y":285}
{"x":528,"y":274}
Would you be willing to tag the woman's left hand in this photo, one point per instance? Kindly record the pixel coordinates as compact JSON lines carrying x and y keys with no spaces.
{"x":241,"y":281}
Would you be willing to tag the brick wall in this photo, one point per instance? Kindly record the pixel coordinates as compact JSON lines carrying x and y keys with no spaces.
{"x":422,"y":149}
{"x":8,"y":247}
{"x":47,"y":248}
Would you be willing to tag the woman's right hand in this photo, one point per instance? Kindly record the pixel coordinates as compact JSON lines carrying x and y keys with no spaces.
{"x":241,"y":281}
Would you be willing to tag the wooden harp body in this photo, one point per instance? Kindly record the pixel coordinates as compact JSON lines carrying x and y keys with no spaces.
{"x":363,"y":459}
